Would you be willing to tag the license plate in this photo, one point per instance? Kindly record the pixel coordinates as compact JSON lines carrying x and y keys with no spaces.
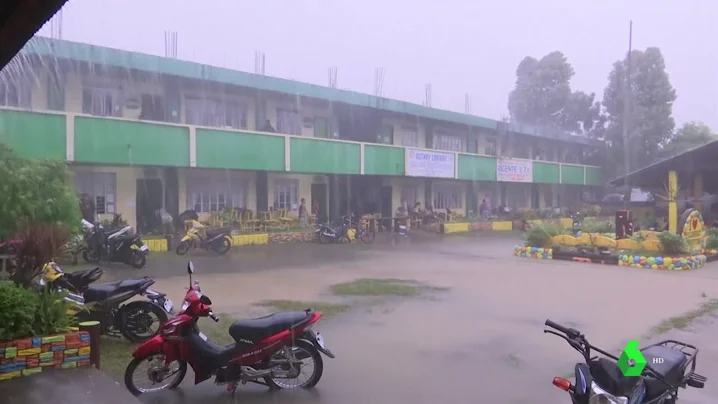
{"x":168,"y":305}
{"x":144,"y":248}
{"x":320,"y":340}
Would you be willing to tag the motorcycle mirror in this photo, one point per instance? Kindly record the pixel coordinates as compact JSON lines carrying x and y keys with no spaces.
{"x":205,"y":300}
{"x":190,"y":267}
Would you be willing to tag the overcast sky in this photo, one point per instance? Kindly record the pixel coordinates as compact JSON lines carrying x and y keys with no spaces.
{"x":459,"y":46}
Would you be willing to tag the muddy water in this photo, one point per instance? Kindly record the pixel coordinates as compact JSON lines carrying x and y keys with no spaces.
{"x":480,"y":341}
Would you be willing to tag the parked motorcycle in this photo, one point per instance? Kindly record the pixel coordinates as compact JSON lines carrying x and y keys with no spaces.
{"x":328,"y":233}
{"x":103,"y":302}
{"x":115,"y":244}
{"x":669,"y":365}
{"x":271,"y":350}
{"x":197,"y":236}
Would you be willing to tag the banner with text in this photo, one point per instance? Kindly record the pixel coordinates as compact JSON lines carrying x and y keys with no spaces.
{"x":514,"y":170}
{"x":424,"y":163}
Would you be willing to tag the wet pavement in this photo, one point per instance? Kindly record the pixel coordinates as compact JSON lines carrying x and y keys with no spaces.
{"x":481,"y":341}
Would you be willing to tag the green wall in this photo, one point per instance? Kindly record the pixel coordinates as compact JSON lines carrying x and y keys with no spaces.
{"x":111,"y":141}
{"x":476,"y":168}
{"x":384,"y":160}
{"x":593,"y":176}
{"x":546,"y":173}
{"x":239,"y":150}
{"x":33,"y":134}
{"x":571,"y":174}
{"x":324,"y":156}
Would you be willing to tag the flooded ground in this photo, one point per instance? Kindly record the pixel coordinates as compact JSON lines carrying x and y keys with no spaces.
{"x":481,"y":341}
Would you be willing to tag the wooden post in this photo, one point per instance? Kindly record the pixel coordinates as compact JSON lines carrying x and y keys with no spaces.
{"x":93,"y":328}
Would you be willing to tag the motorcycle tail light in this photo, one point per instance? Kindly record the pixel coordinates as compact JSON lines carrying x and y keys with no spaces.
{"x":562,"y":383}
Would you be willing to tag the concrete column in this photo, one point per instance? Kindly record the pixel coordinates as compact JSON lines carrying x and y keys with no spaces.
{"x":672,"y":205}
{"x":698,"y":191}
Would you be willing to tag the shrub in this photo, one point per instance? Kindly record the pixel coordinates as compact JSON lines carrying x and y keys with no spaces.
{"x":539,"y":235}
{"x":712,"y":242}
{"x":51,"y":316}
{"x":17,"y":315}
{"x":672,"y":243}
{"x":26,"y":313}
{"x":594,"y":226}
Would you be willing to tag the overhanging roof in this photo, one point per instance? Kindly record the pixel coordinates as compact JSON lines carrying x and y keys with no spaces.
{"x":19,"y":20}
{"x":160,"y":65}
{"x":699,"y":159}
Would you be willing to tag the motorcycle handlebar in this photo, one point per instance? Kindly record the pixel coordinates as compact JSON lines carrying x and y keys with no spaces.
{"x":213,"y":317}
{"x":570,"y":332}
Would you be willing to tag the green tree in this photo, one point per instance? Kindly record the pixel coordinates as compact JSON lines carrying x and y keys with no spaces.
{"x":543,"y":96}
{"x":650,"y":123}
{"x":687,"y":137}
{"x":37,"y":204}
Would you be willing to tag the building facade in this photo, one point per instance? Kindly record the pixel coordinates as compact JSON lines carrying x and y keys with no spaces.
{"x":144,"y":132}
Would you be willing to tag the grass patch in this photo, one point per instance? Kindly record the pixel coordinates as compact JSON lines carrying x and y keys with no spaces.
{"x":328,"y":309}
{"x":685,"y":320}
{"x":382,"y":287}
{"x":116,"y":353}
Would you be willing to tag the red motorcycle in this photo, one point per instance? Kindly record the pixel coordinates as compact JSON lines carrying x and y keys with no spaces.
{"x":271,"y":351}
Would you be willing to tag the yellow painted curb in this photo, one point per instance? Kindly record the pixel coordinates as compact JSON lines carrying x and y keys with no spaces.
{"x":250,"y":239}
{"x":502,"y":226}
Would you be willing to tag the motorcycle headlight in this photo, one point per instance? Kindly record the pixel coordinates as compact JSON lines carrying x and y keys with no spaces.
{"x":601,"y":396}
{"x":185,"y":305}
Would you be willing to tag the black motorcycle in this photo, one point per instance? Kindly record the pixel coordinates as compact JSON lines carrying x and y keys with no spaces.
{"x":104,"y":303}
{"x":115,"y":244}
{"x":328,"y":233}
{"x":669,"y":365}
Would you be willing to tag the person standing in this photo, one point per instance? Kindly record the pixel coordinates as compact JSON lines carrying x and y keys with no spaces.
{"x":303,"y":214}
{"x":87,"y":208}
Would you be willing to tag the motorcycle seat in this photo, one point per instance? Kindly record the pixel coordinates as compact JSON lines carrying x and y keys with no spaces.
{"x":217,"y":231}
{"x":257,"y":329}
{"x":84,"y":277}
{"x":98,"y":293}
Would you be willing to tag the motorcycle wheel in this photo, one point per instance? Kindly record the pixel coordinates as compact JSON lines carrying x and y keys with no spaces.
{"x":154,"y":373}
{"x":305,"y":350}
{"x":222,"y":248}
{"x":136,"y":319}
{"x":90,"y":257}
{"x":182,"y":248}
{"x":367,"y":236}
{"x":323,"y":238}
{"x":138,"y":260}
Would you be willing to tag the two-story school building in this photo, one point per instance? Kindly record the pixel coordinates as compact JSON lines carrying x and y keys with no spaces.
{"x":145,"y":132}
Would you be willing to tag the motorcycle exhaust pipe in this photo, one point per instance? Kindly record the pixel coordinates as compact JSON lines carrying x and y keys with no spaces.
{"x":251,"y":373}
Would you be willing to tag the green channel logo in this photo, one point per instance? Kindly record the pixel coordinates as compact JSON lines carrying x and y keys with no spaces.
{"x":631,"y":362}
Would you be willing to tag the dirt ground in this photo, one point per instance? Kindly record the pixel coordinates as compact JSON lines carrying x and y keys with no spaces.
{"x":480,"y":341}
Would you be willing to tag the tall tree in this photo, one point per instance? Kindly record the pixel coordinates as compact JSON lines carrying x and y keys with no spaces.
{"x":543,"y":96}
{"x":650,"y":122}
{"x":688,"y":136}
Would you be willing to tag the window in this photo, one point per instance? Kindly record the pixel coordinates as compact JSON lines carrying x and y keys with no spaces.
{"x":285,"y":194}
{"x":15,"y":92}
{"x":490,"y":148}
{"x":448,"y":142}
{"x":100,"y":186}
{"x":409,"y":137}
{"x":216,"y":113}
{"x":409,"y":194}
{"x":212,"y":193}
{"x":447,"y":196}
{"x":101,"y":101}
{"x":289,"y":122}
{"x":521,"y":149}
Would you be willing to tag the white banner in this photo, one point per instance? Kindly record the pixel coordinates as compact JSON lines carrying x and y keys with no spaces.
{"x":424,"y":163}
{"x":508,"y":170}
